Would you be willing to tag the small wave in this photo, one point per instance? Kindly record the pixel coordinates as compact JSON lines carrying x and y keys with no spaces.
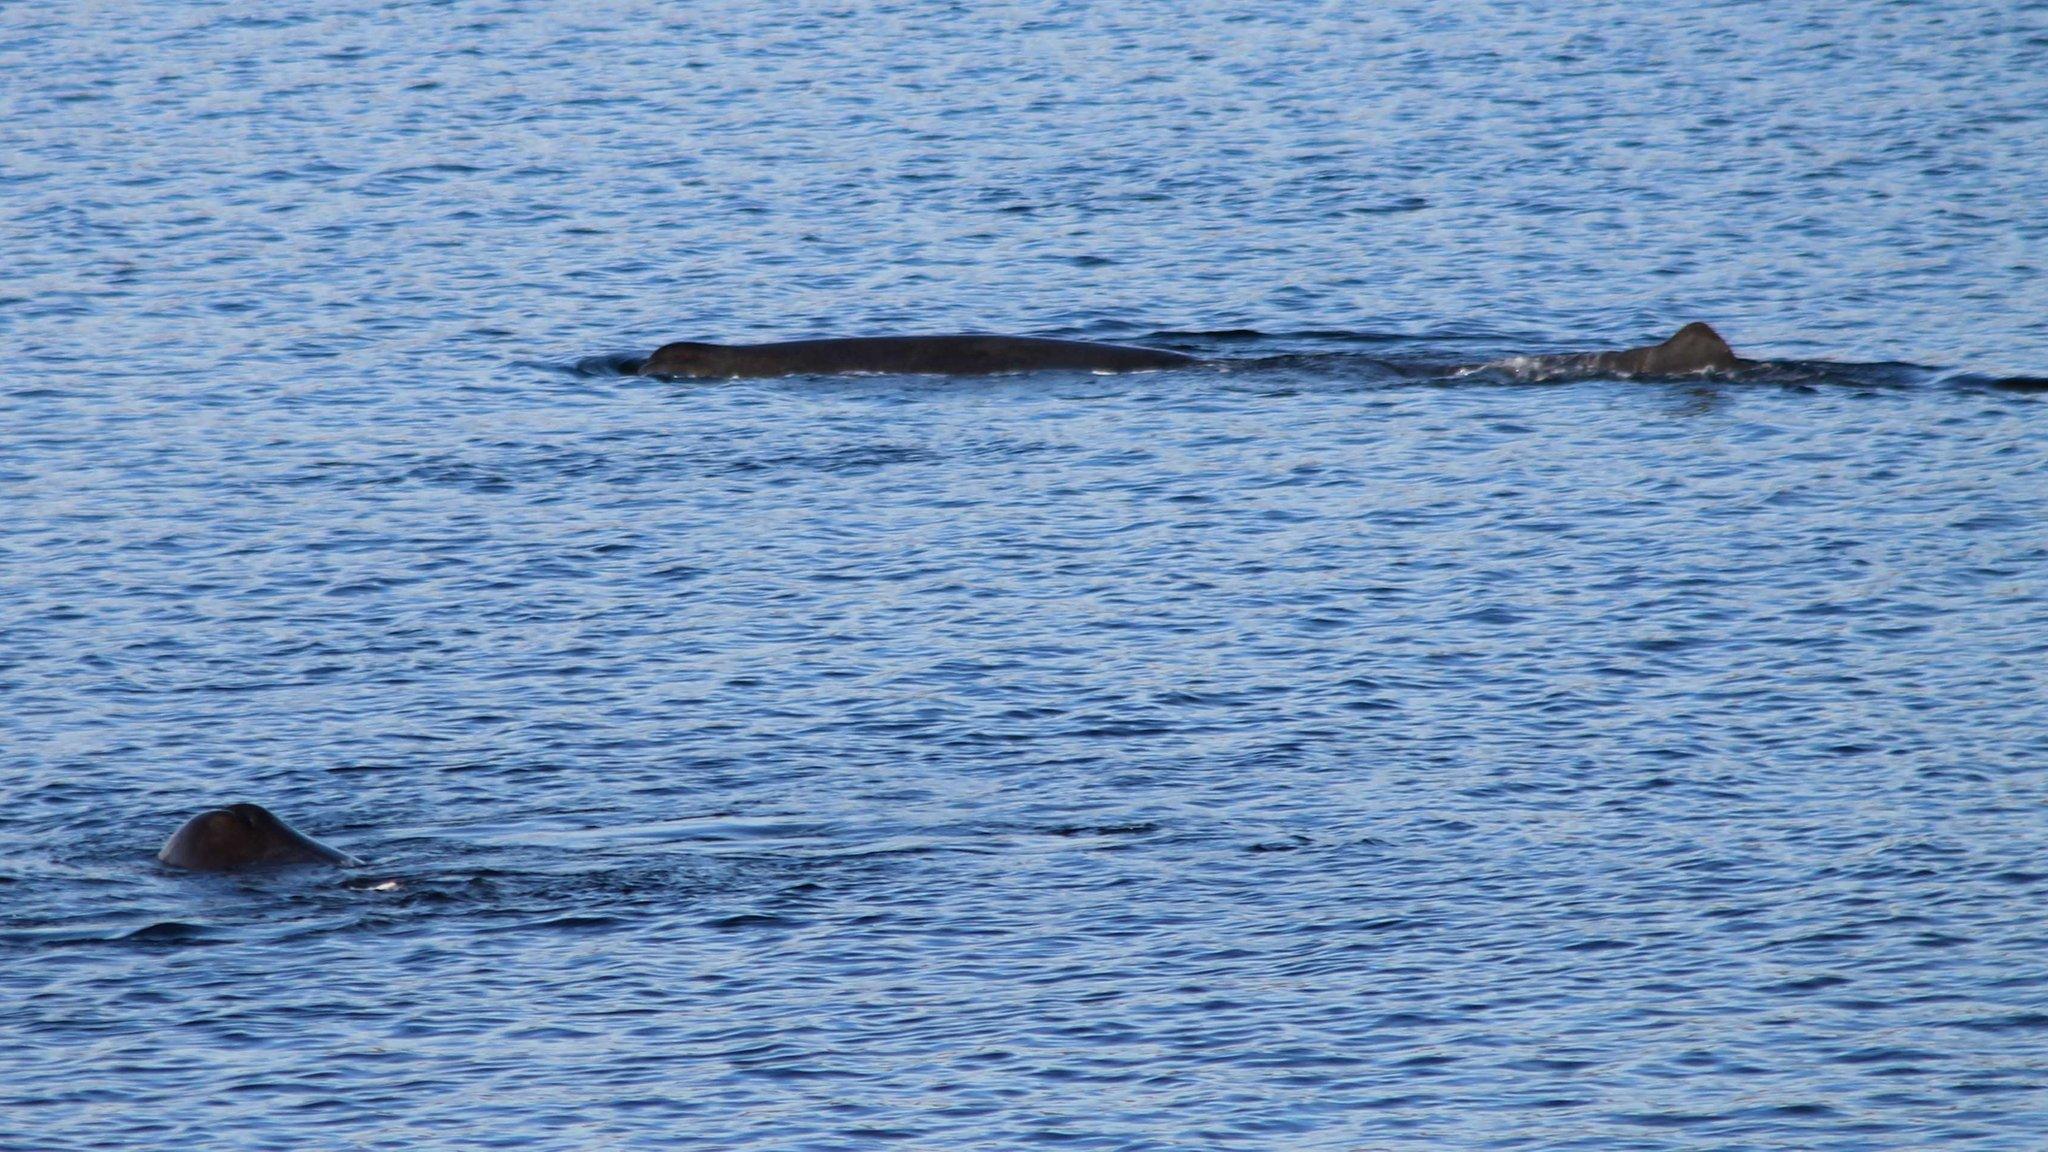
{"x":746,"y":920}
{"x":609,"y":365}
{"x":854,"y":458}
{"x":168,"y":932}
{"x":1193,"y":339}
{"x":1133,"y":828}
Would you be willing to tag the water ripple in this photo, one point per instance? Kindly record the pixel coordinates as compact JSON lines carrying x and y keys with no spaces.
{"x":1326,"y":747}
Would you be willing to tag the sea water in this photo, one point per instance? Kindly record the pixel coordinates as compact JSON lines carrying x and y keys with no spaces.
{"x":1315,"y":749}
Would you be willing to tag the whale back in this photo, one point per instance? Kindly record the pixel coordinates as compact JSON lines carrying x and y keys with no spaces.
{"x":903,"y":355}
{"x":242,"y":836}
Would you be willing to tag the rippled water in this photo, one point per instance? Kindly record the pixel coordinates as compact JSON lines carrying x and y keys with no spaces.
{"x":1315,"y":750}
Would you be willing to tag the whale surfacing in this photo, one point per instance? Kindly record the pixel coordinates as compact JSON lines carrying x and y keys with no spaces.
{"x":242,"y":836}
{"x":1693,"y":348}
{"x":903,"y":355}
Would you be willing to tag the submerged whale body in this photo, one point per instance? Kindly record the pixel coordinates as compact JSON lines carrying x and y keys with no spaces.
{"x":1693,"y":348}
{"x":243,"y":836}
{"x":903,"y":355}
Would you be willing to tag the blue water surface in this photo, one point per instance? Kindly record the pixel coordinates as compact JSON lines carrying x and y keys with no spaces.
{"x":1319,"y":748}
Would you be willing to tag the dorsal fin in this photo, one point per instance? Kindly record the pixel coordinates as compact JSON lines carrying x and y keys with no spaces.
{"x":1693,"y":348}
{"x":1701,"y":335}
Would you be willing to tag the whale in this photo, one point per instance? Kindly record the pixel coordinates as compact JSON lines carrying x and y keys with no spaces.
{"x":903,"y":355}
{"x":1692,"y":349}
{"x":244,"y":836}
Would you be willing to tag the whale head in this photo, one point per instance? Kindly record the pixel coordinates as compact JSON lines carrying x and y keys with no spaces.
{"x":242,"y":836}
{"x":691,"y":358}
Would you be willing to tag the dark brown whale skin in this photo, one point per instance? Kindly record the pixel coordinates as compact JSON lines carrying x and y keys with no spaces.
{"x":903,"y":355}
{"x":1693,"y":348}
{"x":244,"y":836}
